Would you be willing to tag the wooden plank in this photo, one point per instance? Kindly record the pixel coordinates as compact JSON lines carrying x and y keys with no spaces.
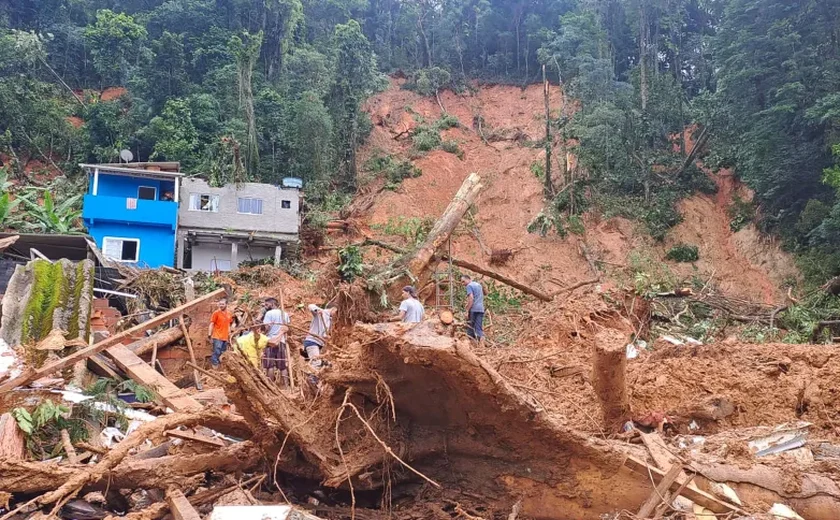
{"x":660,"y":493}
{"x":181,"y":507}
{"x":12,"y":441}
{"x":196,"y":377}
{"x":96,"y":348}
{"x":138,"y":370}
{"x":695,"y":495}
{"x":100,"y":363}
{"x":190,"y":436}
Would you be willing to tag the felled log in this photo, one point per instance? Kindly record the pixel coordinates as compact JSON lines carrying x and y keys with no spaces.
{"x":102,"y":469}
{"x":502,"y":278}
{"x":608,"y":378}
{"x":132,"y":473}
{"x":445,"y":225}
{"x":163,"y":338}
{"x":474,"y":268}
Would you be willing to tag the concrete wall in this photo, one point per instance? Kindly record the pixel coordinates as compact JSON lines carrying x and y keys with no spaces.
{"x":203,"y":256}
{"x":125,"y":186}
{"x":157,"y":244}
{"x":274,"y":219}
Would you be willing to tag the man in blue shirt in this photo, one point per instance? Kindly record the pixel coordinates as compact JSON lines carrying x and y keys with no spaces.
{"x":474,"y":308}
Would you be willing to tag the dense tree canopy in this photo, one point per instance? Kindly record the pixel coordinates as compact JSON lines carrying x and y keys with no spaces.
{"x":262,"y":89}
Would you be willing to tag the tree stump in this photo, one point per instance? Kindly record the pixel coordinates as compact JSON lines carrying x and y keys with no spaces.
{"x":608,"y":378}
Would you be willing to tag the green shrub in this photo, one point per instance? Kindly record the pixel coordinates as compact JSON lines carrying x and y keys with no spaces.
{"x":538,"y":169}
{"x":741,"y":213}
{"x":576,"y":225}
{"x":350,"y":263}
{"x":447,"y":121}
{"x":683,"y":253}
{"x":452,"y":147}
{"x":395,"y":171}
{"x":425,"y":138}
{"x":411,"y":229}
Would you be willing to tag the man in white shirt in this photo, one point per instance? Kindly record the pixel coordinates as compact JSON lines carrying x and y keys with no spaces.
{"x":319,"y":329}
{"x":411,"y":309}
{"x":276,"y":322}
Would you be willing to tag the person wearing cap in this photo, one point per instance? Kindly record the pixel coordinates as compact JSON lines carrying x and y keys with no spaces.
{"x":411,"y":309}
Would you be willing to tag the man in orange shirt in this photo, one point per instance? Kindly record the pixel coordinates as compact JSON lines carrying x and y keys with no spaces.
{"x":219,"y":331}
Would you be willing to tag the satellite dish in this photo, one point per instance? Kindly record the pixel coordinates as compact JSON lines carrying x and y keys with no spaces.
{"x":126,"y":155}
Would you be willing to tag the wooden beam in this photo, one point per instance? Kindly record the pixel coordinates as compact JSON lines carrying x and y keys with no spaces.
{"x":85,"y":353}
{"x":660,"y":493}
{"x":181,"y":507}
{"x":196,"y":377}
{"x":190,"y":436}
{"x":140,"y":371}
{"x":695,"y":495}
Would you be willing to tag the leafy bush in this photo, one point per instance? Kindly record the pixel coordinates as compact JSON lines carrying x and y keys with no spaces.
{"x":412,"y":229}
{"x":683,"y":253}
{"x":451,"y":146}
{"x":538,"y":169}
{"x":395,"y":171}
{"x":425,"y":138}
{"x":447,"y":121}
{"x":350,"y":263}
{"x":741,"y":213}
{"x":576,"y":225}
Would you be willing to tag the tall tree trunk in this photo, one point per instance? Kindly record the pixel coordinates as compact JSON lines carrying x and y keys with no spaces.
{"x":643,"y":54}
{"x":425,"y":40}
{"x":548,"y":190}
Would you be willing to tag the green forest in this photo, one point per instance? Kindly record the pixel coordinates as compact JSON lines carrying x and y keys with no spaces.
{"x":264,"y":89}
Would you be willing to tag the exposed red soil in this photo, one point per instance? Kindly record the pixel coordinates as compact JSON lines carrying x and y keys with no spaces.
{"x":744,"y":264}
{"x":112,"y":93}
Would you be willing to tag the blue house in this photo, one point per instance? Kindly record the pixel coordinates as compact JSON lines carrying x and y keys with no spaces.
{"x":131,"y":210}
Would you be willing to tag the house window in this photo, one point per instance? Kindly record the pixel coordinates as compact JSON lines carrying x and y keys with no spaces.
{"x":147,"y":193}
{"x":203,"y":202}
{"x":250,"y":206}
{"x":286,"y":204}
{"x":121,"y":249}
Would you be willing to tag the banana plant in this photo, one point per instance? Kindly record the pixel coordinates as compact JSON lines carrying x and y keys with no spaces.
{"x":51,"y":218}
{"x":6,"y":207}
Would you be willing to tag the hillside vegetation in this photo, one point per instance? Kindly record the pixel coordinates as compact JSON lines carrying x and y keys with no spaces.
{"x":262,"y":89}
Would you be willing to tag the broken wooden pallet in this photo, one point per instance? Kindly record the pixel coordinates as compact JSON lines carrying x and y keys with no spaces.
{"x":695,"y":495}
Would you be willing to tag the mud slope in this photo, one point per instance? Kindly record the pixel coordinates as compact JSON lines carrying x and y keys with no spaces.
{"x":743,"y":264}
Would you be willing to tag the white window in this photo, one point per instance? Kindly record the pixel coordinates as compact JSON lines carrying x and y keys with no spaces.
{"x":204,"y":202}
{"x":250,"y":206}
{"x":147,"y":193}
{"x":286,"y":204}
{"x":121,"y":249}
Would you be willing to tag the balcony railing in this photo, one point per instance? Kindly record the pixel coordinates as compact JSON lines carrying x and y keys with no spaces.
{"x":122,"y":209}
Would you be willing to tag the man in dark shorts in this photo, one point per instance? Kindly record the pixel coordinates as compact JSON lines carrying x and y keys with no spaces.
{"x":274,"y":360}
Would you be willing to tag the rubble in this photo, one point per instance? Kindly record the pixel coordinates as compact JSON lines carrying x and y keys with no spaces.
{"x":410,"y":421}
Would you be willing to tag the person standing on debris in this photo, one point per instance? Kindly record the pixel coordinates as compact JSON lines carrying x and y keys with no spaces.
{"x":319,"y":329}
{"x":474,"y":308}
{"x":253,"y":344}
{"x":411,"y":309}
{"x":274,"y":357}
{"x":219,"y":331}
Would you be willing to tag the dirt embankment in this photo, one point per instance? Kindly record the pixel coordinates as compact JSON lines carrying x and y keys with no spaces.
{"x":502,"y":150}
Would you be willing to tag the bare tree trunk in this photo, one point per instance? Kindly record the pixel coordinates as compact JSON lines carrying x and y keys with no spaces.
{"x":548,"y":190}
{"x":447,"y":223}
{"x":608,"y":378}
